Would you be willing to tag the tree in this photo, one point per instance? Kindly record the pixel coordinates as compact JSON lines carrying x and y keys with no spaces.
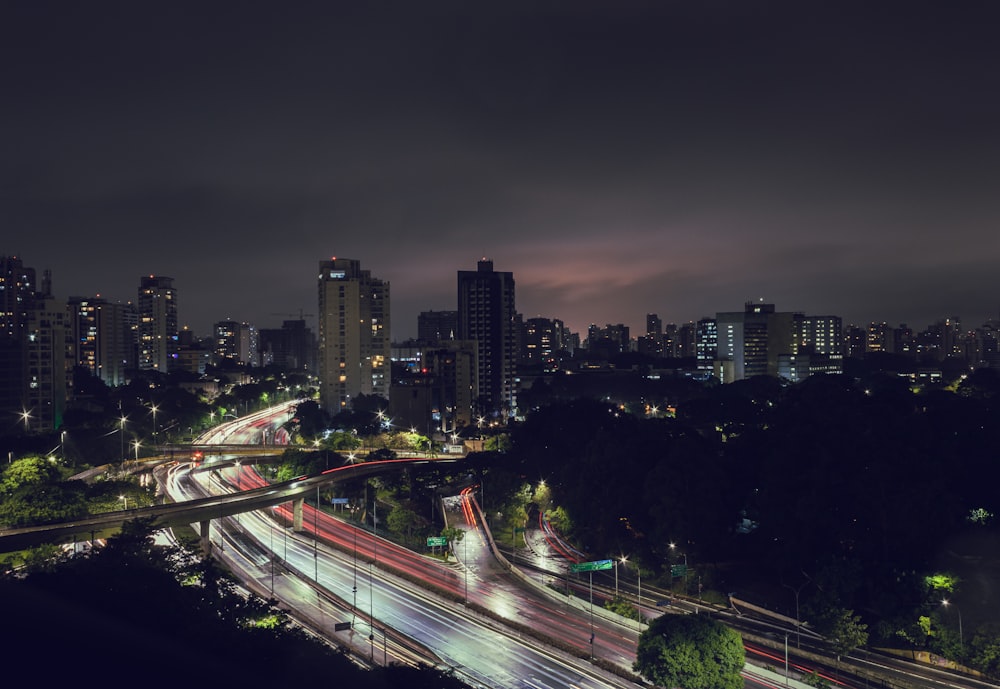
{"x":453,"y":535}
{"x":690,"y":651}
{"x":847,"y":631}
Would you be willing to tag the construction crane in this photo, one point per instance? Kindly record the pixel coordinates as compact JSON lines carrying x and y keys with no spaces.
{"x":301,"y":316}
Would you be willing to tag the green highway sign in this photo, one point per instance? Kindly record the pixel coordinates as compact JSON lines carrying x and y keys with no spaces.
{"x":437,"y":540}
{"x":590,"y":566}
{"x":678,"y":570}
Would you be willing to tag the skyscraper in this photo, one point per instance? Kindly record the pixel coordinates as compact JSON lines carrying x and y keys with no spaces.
{"x":157,"y":336}
{"x":103,"y":339}
{"x":353,"y":341}
{"x":486,"y":315}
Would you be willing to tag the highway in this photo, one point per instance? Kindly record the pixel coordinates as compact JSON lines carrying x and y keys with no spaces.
{"x":478,"y":616}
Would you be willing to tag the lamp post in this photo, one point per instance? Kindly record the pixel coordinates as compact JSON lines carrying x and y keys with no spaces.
{"x":616,"y":579}
{"x":239,"y":485}
{"x":25,"y":416}
{"x":125,"y":499}
{"x":946,"y":603}
{"x":797,"y":591}
{"x":153,"y":408}
{"x":121,"y":432}
{"x":136,"y":446}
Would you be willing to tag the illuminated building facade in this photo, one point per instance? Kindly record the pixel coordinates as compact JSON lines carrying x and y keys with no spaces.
{"x":354,"y":349}
{"x":157,"y":323}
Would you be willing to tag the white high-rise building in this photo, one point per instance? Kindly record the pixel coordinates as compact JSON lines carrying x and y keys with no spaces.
{"x":353,"y":339}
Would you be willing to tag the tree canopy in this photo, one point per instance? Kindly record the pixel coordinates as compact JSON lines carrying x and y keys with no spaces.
{"x":690,"y":651}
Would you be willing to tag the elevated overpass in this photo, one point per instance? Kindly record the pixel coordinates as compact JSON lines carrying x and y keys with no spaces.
{"x":203,"y":510}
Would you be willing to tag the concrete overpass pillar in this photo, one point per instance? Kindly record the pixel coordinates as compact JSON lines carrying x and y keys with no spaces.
{"x":206,"y":543}
{"x":297,"y":514}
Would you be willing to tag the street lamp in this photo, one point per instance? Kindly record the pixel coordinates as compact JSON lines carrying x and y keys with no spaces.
{"x":153,"y":408}
{"x":136,"y":446}
{"x":25,"y":416}
{"x":616,"y":578}
{"x":638,"y":598}
{"x":121,"y":432}
{"x":946,"y":603}
{"x":62,"y":445}
{"x":122,"y":497}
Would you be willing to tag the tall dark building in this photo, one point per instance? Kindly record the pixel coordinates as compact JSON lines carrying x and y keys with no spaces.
{"x":291,"y":347}
{"x":17,"y":299}
{"x":157,"y":336}
{"x":487,"y":316}
{"x":437,"y":326}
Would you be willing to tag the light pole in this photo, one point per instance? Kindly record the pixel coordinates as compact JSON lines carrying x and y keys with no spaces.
{"x":62,"y":445}
{"x":121,"y":432}
{"x":591,"y":615}
{"x":136,"y":446}
{"x":153,"y":408}
{"x":616,"y":579}
{"x":797,"y":591}
{"x":946,"y":603}
{"x":25,"y":416}
{"x":125,"y":499}
{"x":239,"y":484}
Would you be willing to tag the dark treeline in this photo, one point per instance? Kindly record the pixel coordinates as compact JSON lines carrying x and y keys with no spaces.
{"x":854,"y":494}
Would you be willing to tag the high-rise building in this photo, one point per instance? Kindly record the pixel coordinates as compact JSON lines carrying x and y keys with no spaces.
{"x":706,"y":343}
{"x":487,"y":315}
{"x":103,"y":338}
{"x":157,"y":328}
{"x":354,"y":349}
{"x":543,"y":343}
{"x":17,"y":299}
{"x":49,"y":366}
{"x":437,"y":326}
{"x":236,"y":342}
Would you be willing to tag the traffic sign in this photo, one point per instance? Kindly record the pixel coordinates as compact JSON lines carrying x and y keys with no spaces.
{"x":338,"y":501}
{"x":590,"y":566}
{"x":341,"y":626}
{"x":678,"y":570}
{"x":437,"y":540}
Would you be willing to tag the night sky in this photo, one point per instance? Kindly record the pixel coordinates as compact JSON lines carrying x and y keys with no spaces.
{"x":618,"y":157}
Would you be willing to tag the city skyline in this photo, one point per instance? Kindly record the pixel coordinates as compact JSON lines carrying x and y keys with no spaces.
{"x":618,"y":158}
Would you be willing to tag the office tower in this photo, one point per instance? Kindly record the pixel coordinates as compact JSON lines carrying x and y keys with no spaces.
{"x":706,"y":343}
{"x":819,"y":335}
{"x":437,"y":326}
{"x":157,"y":330}
{"x":750,"y":341}
{"x":353,"y":342}
{"x":103,"y":338}
{"x":486,"y":315}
